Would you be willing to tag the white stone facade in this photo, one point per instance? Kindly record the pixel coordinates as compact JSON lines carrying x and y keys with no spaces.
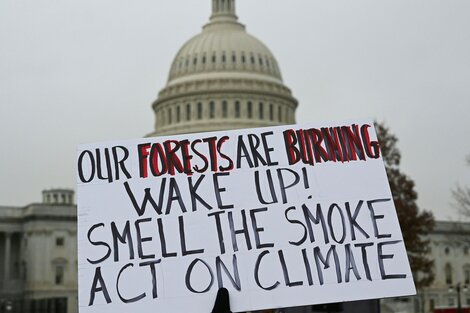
{"x":450,"y":250}
{"x":451,"y":253}
{"x":38,"y":256}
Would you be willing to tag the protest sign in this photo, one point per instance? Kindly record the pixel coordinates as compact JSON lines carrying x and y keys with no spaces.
{"x":282,"y":216}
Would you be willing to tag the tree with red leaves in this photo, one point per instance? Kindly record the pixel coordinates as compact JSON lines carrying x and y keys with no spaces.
{"x":415,"y":224}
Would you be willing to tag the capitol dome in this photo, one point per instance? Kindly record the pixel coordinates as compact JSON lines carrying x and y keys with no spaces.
{"x":223,"y":78}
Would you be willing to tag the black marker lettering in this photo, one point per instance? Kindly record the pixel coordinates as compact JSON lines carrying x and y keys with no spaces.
{"x":218,"y":190}
{"x":258,"y":261}
{"x":98,"y":243}
{"x":153,"y":272}
{"x":382,"y":257}
{"x":285,"y":271}
{"x":98,"y":279}
{"x":125,"y":300}
{"x":188,"y":276}
{"x":375,"y":217}
{"x":141,"y":240}
{"x":234,"y":279}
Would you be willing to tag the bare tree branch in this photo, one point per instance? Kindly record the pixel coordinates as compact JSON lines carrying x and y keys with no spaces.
{"x":461,"y":197}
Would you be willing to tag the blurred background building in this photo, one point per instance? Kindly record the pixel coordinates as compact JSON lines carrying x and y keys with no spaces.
{"x":38,"y":255}
{"x":222,"y":78}
{"x":450,"y":250}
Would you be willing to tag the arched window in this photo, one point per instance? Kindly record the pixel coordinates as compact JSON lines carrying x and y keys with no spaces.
{"x":261,"y":110}
{"x":178,"y":114}
{"x":279,"y":113}
{"x":249,"y":109}
{"x":59,"y":265}
{"x":432,"y":304}
{"x":447,"y":250}
{"x":169,"y":116}
{"x":59,"y":274}
{"x":199,"y":110}
{"x":15,"y":274}
{"x":163,"y":121}
{"x":59,"y":241}
{"x":237,"y":109}
{"x":271,"y":112}
{"x":466,"y":274}
{"x":224,"y":109}
{"x":211,"y":109}
{"x":448,"y":273}
{"x":24,"y":270}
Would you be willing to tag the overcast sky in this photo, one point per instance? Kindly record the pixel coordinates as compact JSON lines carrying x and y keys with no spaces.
{"x":85,"y":71}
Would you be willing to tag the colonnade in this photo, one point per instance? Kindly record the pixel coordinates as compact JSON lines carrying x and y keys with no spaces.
{"x":9,"y":258}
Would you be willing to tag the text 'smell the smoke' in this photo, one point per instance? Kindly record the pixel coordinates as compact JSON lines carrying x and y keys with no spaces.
{"x":282,"y":216}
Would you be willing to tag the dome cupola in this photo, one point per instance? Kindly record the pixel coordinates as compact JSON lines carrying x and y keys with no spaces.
{"x":223,"y":10}
{"x":223,"y":78}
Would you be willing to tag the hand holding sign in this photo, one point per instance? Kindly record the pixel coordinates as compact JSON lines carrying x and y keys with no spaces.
{"x":222,"y":302}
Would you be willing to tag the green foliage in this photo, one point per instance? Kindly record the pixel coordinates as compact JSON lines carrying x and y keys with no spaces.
{"x":415,"y":224}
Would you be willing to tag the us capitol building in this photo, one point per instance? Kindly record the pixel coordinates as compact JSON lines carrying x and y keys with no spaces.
{"x":222,"y":78}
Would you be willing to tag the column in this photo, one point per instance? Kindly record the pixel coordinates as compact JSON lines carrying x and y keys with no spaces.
{"x":6,"y":268}
{"x":223,"y":7}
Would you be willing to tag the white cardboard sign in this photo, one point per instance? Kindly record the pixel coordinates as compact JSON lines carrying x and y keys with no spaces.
{"x":282,"y":216}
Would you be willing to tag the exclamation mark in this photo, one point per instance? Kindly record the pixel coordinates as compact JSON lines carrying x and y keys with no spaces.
{"x":305,"y":179}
